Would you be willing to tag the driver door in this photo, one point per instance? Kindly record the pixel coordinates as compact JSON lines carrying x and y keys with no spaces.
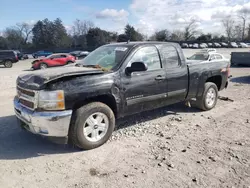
{"x":145,"y":90}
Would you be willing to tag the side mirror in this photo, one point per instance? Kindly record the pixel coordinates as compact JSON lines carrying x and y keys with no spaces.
{"x":136,"y":67}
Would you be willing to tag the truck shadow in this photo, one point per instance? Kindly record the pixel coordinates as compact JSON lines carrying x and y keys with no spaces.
{"x":16,"y":143}
{"x":175,"y":109}
{"x":242,"y":80}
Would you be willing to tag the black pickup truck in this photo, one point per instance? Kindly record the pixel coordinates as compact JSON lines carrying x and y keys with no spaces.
{"x":82,"y":101}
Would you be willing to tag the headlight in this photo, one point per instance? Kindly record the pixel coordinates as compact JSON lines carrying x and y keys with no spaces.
{"x":51,"y":100}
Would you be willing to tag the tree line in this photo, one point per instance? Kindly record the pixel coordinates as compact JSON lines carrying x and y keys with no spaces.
{"x":84,"y":35}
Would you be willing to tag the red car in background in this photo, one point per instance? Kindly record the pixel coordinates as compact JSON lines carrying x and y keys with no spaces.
{"x":53,"y":60}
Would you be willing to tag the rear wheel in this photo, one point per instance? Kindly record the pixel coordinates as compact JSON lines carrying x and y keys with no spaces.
{"x":209,"y":98}
{"x":92,"y":125}
{"x":69,"y":62}
{"x":43,"y":66}
{"x":8,"y":64}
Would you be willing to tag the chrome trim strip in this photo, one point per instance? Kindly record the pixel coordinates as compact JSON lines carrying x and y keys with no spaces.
{"x":26,"y":89}
{"x":28,"y":98}
{"x":52,"y":124}
{"x":146,"y":99}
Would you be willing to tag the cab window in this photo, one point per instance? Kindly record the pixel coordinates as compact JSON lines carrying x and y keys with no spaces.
{"x":148,"y":55}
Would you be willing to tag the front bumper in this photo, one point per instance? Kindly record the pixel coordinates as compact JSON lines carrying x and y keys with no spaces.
{"x":51,"y":124}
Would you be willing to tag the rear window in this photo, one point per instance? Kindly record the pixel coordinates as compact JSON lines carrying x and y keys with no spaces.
{"x":169,"y":56}
{"x":200,"y":57}
{"x":218,"y":56}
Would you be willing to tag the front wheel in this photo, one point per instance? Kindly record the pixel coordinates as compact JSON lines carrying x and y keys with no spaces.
{"x":209,"y":98}
{"x":43,"y":66}
{"x":92,"y":125}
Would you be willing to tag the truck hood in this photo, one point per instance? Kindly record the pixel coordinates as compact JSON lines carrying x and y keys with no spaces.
{"x":39,"y":78}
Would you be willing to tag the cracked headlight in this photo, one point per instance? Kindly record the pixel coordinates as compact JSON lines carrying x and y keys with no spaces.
{"x":51,"y":100}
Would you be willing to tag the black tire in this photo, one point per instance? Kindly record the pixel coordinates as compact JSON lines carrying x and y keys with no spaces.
{"x":69,"y":62}
{"x":202,"y":103}
{"x":80,"y":116}
{"x":43,"y":66}
{"x":8,"y":64}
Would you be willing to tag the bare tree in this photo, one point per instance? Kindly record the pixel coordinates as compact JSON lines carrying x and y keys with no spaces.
{"x":81,"y":27}
{"x":243,"y":14}
{"x":237,"y":32}
{"x":229,"y":26}
{"x":13,"y":37}
{"x":191,"y":29}
{"x":177,"y":35}
{"x":25,"y":30}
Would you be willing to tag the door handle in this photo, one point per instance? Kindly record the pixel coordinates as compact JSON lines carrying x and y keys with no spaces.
{"x":159,"y":77}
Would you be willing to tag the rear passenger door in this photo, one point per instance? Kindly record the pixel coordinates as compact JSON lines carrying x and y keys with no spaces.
{"x":176,"y":73}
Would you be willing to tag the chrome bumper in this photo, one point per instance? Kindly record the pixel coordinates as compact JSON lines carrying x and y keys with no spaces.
{"x":52,"y":124}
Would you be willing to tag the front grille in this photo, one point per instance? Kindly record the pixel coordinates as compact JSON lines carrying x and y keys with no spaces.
{"x":27,"y":98}
{"x":26,"y":103}
{"x":27,"y":92}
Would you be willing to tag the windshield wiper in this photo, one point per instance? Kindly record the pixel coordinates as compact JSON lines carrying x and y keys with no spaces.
{"x":92,"y":66}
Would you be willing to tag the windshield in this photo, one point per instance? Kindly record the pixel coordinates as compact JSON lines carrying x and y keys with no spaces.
{"x":202,"y":57}
{"x":50,"y":56}
{"x":106,"y":57}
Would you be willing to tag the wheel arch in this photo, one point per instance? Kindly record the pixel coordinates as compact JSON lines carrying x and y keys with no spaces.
{"x":107,"y":99}
{"x":217,"y":80}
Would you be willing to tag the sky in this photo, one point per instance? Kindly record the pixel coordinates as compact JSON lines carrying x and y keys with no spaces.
{"x":147,"y":16}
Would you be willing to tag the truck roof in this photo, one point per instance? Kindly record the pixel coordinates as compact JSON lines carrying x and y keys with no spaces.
{"x":132,"y":44}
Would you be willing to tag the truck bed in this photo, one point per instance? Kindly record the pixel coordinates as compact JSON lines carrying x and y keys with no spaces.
{"x":199,"y":73}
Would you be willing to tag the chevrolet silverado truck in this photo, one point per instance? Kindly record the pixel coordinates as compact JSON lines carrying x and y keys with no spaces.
{"x":79,"y":103}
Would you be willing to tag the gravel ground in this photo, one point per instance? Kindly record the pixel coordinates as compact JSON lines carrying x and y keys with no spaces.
{"x":174,"y":146}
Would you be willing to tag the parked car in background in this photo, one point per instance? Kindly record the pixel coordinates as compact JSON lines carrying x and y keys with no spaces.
{"x":75,"y":53}
{"x":41,"y":54}
{"x":21,"y":55}
{"x":224,"y":45}
{"x":195,"y":45}
{"x":25,"y":56}
{"x":233,"y":45}
{"x":79,"y":54}
{"x":83,"y":101}
{"x":8,"y":57}
{"x":184,"y":45}
{"x":53,"y":61}
{"x":217,"y":45}
{"x":210,"y":45}
{"x":205,"y":57}
{"x":190,"y":45}
{"x":203,"y":45}
{"x":209,"y":50}
{"x":242,"y":45}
